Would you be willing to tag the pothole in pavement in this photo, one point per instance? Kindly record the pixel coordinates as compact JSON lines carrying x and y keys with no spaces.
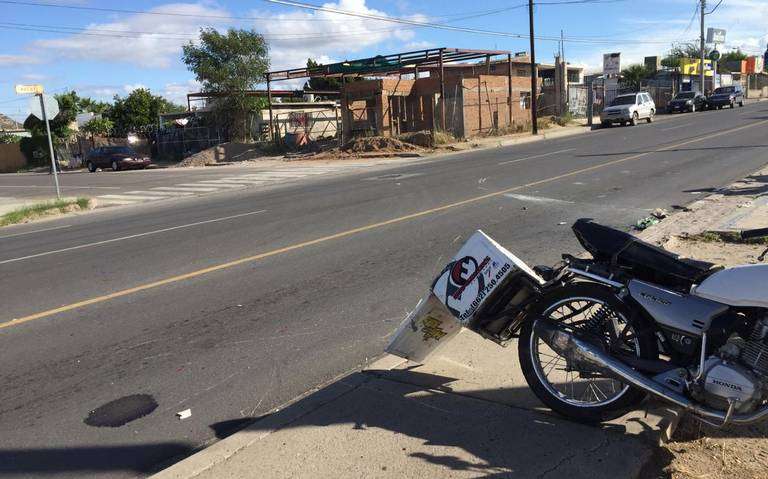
{"x":121,"y":411}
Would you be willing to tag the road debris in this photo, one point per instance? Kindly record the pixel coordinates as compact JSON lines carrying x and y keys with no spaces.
{"x":184,"y":414}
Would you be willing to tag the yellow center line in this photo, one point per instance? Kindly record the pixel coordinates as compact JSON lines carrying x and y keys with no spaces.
{"x":350,"y":232}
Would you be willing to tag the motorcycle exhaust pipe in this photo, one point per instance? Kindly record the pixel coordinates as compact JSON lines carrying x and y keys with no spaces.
{"x":585,"y":355}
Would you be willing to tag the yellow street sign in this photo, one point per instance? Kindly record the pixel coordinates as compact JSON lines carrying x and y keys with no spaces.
{"x":27,"y":89}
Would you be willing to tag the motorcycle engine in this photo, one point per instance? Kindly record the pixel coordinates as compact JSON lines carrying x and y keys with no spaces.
{"x":739,"y":373}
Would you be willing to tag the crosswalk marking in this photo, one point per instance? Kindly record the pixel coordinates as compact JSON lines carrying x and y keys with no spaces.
{"x":217,"y":185}
{"x":256,"y":178}
{"x":130,"y":197}
{"x":194,"y":189}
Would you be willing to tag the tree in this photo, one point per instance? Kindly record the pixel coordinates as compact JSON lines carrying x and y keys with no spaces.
{"x":231,"y":63}
{"x":328,"y":84}
{"x":633,"y":75}
{"x":98,"y":107}
{"x":69,"y":107}
{"x":7,"y":138}
{"x":138,"y":111}
{"x":98,"y":127}
{"x":683,"y":51}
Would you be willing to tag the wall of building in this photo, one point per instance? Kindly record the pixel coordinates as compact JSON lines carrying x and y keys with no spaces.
{"x":486,"y":108}
{"x":11,"y":158}
{"x":473,"y":106}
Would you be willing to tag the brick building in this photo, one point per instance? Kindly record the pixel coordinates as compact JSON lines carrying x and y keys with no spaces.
{"x":477,"y":101}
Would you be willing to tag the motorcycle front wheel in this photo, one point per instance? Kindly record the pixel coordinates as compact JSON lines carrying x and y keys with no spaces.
{"x":582,"y":395}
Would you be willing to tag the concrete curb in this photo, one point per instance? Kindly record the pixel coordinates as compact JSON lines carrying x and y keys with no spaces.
{"x":295,"y":409}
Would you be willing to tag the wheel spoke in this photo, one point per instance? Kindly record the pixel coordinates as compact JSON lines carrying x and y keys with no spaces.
{"x":583,"y":387}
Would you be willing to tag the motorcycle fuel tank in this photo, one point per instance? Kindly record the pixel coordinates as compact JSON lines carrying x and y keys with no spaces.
{"x":738,"y":286}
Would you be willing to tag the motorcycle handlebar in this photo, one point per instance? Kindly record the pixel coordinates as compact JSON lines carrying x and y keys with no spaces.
{"x":756,"y":233}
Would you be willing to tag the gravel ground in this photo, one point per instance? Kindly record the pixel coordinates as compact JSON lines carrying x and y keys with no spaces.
{"x":697,"y":450}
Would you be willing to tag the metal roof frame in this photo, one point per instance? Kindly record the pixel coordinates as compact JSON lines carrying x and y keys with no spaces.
{"x":382,"y":65}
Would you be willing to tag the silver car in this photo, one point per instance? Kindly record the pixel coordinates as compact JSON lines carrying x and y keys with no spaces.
{"x":629,"y":109}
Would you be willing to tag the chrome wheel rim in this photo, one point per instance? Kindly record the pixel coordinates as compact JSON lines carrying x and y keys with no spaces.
{"x":579,"y":388}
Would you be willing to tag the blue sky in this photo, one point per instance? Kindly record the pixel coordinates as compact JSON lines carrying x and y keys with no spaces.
{"x":105,"y":53}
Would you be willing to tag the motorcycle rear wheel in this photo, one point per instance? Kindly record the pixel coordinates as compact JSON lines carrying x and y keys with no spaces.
{"x":583,"y":396}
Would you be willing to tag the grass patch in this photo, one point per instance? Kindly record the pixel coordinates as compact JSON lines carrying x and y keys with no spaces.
{"x":725,"y":237}
{"x":30,"y":213}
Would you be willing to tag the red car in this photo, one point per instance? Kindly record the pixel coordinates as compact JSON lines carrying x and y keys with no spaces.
{"x":115,"y":157}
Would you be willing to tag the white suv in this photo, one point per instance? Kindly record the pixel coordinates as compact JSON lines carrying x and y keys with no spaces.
{"x":630,"y":109}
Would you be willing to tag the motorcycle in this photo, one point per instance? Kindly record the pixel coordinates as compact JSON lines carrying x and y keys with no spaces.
{"x":596,"y":335}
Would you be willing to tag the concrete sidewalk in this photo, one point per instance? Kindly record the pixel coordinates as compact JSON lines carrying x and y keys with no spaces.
{"x":468,"y":413}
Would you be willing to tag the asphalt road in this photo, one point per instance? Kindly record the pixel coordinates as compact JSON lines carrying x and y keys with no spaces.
{"x":233,"y":304}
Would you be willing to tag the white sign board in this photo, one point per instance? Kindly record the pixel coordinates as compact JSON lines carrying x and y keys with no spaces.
{"x":611,"y":63}
{"x":429,"y":326}
{"x":458,"y":293}
{"x":715,"y":35}
{"x":51,"y":107}
{"x":476,"y":271}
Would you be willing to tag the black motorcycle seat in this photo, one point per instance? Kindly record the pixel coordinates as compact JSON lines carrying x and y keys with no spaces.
{"x":644,"y":260}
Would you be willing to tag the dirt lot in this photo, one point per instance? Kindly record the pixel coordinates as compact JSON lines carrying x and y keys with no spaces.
{"x":697,"y":450}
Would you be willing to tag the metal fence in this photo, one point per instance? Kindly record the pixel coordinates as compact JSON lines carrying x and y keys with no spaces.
{"x":179,"y":142}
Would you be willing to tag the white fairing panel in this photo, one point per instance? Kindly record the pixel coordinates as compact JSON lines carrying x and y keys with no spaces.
{"x":739,"y":286}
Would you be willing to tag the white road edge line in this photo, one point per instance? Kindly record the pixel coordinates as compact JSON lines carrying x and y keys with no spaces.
{"x":123,"y":238}
{"x":536,"y":156}
{"x":35,"y":231}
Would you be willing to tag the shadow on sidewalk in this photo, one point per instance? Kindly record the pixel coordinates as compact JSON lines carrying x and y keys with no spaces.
{"x":470,"y":432}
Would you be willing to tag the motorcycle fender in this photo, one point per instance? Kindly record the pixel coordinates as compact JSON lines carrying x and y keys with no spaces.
{"x":426,"y":329}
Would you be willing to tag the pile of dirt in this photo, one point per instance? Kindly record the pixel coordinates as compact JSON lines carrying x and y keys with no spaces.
{"x":201,"y":158}
{"x":422,"y":138}
{"x":223,"y":153}
{"x":378,"y":144}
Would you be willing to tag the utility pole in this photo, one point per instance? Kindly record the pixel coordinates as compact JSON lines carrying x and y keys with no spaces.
{"x":701,"y":65}
{"x":534,"y":116}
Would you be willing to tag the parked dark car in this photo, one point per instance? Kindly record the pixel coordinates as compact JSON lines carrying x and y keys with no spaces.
{"x":115,"y":157}
{"x":726,"y":96}
{"x":687,"y":101}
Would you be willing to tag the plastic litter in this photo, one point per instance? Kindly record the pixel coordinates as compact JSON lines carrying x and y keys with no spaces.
{"x":184,"y":414}
{"x":646,"y":222}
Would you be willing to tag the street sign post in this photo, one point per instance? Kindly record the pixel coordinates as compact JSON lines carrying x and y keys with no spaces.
{"x":44,"y":107}
{"x":49,"y":102}
{"x":27,"y":89}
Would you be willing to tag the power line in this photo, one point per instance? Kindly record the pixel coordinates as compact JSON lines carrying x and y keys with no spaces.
{"x":713,"y":10}
{"x":227,"y":17}
{"x":693,"y":17}
{"x":312,"y":35}
{"x":133,"y":34}
{"x":416,"y":23}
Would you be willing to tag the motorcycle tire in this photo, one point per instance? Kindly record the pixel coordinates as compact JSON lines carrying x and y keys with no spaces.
{"x":628,"y":398}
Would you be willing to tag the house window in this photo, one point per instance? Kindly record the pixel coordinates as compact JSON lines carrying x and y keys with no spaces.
{"x":573,"y":77}
{"x":525,"y":100}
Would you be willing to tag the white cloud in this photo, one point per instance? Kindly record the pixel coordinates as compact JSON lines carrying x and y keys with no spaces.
{"x":135,"y":86}
{"x":295,"y":36}
{"x":177,"y":92}
{"x":158,"y":47}
{"x":11,"y":60}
